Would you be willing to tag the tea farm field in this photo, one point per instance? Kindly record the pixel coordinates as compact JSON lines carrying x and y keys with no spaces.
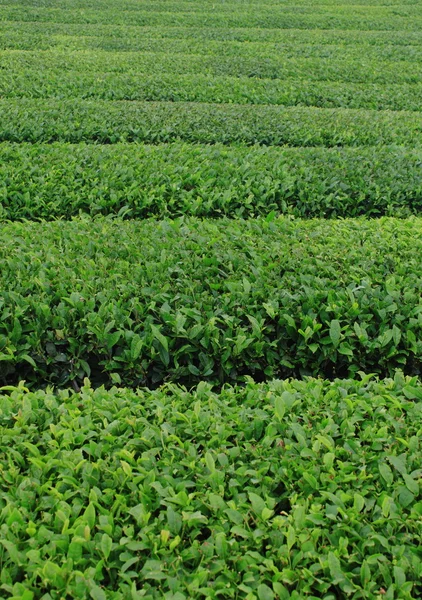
{"x":210,"y":299}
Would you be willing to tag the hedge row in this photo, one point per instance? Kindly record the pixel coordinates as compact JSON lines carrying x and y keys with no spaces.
{"x":258,"y":65}
{"x":148,"y":302}
{"x":105,"y":122}
{"x":362,"y":17}
{"x":225,"y":6}
{"x":18,"y":38}
{"x":43,"y":35}
{"x":61,"y":180}
{"x":203,"y":88}
{"x":221,"y":8}
{"x":285,"y":491}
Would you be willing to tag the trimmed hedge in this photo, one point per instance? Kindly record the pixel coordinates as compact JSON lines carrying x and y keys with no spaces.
{"x":61,"y":180}
{"x":149,"y":302}
{"x":336,"y":44}
{"x":287,"y":490}
{"x":204,"y":88}
{"x":50,"y":34}
{"x":308,"y":17}
{"x":104,"y":122}
{"x":268,"y":65}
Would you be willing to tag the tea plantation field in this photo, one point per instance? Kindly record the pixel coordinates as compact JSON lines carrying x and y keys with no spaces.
{"x":210,"y":299}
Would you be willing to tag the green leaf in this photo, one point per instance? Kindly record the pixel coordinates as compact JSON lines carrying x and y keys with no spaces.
{"x":345,"y":349}
{"x":75,"y":550}
{"x":335,"y":569}
{"x":209,"y":460}
{"x":406,"y":498}
{"x":12,"y":551}
{"x":174,"y":520}
{"x":291,"y":537}
{"x":89,"y":515}
{"x":335,"y":332}
{"x":246,"y":285}
{"x":265,"y":592}
{"x":386,"y":337}
{"x":413,"y":392}
{"x":153,"y":569}
{"x":28,"y":359}
{"x":106,"y":545}
{"x":365,"y":574}
{"x":411,"y":484}
{"x":136,"y":347}
{"x":396,"y":335}
{"x":160,"y":337}
{"x":271,"y":216}
{"x":386,"y":473}
{"x":280,"y":407}
{"x":358,"y":502}
{"x":221,"y":545}
{"x":112,"y":339}
{"x":398,"y":462}
{"x":258,"y":504}
{"x":96,"y":592}
{"x":266,"y":514}
{"x":399,"y":576}
{"x":386,"y":506}
{"x":216,"y":502}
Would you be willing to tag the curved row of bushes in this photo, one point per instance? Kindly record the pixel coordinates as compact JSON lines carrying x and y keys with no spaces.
{"x":49,"y":181}
{"x":265,"y":65}
{"x":143,"y":303}
{"x":74,"y":120}
{"x":319,"y":17}
{"x":285,"y":490}
{"x":42,"y":35}
{"x":210,"y":89}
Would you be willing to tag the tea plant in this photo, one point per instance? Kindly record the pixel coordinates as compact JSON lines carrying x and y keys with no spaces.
{"x":286,"y":490}
{"x":148,"y":302}
{"x":76,"y":120}
{"x":50,"y":181}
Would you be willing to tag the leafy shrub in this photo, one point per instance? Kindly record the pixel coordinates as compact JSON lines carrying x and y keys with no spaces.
{"x":340,"y":66}
{"x":76,"y":120}
{"x":32,"y":35}
{"x":229,"y":15}
{"x":147,"y":302}
{"x":328,"y":44}
{"x":59,"y":180}
{"x":204,"y":88}
{"x":286,"y":490}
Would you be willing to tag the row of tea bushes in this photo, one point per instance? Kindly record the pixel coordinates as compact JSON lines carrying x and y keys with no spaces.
{"x":377,"y":18}
{"x":254,"y":64}
{"x":209,"y":89}
{"x":286,"y":490}
{"x":41,"y":35}
{"x":59,"y":180}
{"x":148,"y":302}
{"x":75,"y":120}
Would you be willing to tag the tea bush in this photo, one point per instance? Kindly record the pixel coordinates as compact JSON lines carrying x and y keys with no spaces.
{"x":284,"y":490}
{"x":148,"y":302}
{"x":59,"y":180}
{"x":103,"y":122}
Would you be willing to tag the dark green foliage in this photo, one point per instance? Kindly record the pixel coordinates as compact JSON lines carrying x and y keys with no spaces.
{"x":289,"y":490}
{"x":340,"y":66}
{"x":144,"y":303}
{"x":206,"y":88}
{"x":407,"y":18}
{"x":113,"y":110}
{"x":104,"y":122}
{"x":274,"y":45}
{"x":136,"y":181}
{"x":42,"y":35}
